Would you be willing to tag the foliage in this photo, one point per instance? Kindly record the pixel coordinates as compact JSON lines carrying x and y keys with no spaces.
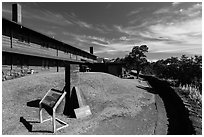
{"x":136,"y":59}
{"x":147,"y":69}
{"x":184,"y":70}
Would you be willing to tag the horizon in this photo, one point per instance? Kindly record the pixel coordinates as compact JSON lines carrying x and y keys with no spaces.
{"x":113,"y":28}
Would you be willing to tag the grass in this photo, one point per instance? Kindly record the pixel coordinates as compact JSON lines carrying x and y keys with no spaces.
{"x":193,"y":93}
{"x":108,"y":96}
{"x":193,"y":102}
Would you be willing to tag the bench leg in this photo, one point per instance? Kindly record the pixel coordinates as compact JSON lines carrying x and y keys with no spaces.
{"x":54,"y":121}
{"x":40,"y":113}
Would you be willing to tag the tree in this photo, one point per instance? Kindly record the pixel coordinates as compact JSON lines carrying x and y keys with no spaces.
{"x":172,"y":67}
{"x":136,"y":58}
{"x":148,"y":69}
{"x":184,"y":70}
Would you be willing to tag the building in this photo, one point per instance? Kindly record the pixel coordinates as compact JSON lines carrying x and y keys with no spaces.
{"x":112,"y":68}
{"x":24,"y":49}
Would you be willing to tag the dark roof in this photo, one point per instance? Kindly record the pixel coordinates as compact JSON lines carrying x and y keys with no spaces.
{"x":77,"y":49}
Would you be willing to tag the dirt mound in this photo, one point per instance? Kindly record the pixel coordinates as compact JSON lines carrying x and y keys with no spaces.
{"x":18,"y":92}
{"x":112,"y":96}
{"x":108,"y":97}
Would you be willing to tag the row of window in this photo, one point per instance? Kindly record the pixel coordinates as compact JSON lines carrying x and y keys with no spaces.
{"x":24,"y":38}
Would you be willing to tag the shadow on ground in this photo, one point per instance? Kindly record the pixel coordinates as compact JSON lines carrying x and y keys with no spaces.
{"x":34,"y":103}
{"x":178,"y":115}
{"x":29,"y":127}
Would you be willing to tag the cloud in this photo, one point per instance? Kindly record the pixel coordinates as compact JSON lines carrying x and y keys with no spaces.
{"x":133,"y":12}
{"x":162,"y":47}
{"x":101,"y":44}
{"x":176,"y":10}
{"x":123,"y":38}
{"x":182,"y":36}
{"x":50,"y":17}
{"x":162,"y":11}
{"x":178,"y":31}
{"x":175,"y":3}
{"x":130,"y":30}
{"x":86,"y":37}
{"x":102,"y":28}
{"x":108,"y":6}
{"x":168,"y":30}
{"x":192,"y":11}
{"x":98,"y":39}
{"x":51,"y":33}
{"x":83,"y":24}
{"x":7,"y":11}
{"x":98,"y":43}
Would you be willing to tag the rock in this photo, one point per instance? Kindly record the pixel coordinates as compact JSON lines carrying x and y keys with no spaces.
{"x":8,"y":77}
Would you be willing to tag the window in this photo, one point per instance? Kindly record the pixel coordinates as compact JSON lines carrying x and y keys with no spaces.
{"x":66,"y":51}
{"x":5,"y":31}
{"x":23,"y":38}
{"x":45,"y":45}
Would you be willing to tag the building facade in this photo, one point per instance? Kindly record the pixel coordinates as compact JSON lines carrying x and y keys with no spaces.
{"x":24,"y":49}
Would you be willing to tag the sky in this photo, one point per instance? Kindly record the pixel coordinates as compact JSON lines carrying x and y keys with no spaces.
{"x":113,"y":28}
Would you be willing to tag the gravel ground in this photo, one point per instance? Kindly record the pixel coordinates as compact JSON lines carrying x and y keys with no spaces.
{"x":109,"y":97}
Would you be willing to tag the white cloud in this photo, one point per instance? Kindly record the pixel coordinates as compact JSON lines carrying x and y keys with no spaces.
{"x":175,"y":3}
{"x":162,"y":11}
{"x":171,"y":12}
{"x":97,"y":43}
{"x":133,"y":12}
{"x":7,"y":11}
{"x":100,"y":39}
{"x":83,"y":24}
{"x":50,"y":17}
{"x":177,"y":36}
{"x":123,"y":38}
{"x":88,"y":40}
{"x":178,"y":31}
{"x":130,"y":30}
{"x":194,"y":10}
{"x":50,"y":33}
{"x":183,"y":36}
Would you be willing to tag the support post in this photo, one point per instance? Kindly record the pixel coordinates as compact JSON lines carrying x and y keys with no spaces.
{"x":68,"y":108}
{"x":11,"y":37}
{"x":11,"y":61}
{"x":40,"y":113}
{"x":57,"y":66}
{"x":54,"y":121}
{"x":67,"y":79}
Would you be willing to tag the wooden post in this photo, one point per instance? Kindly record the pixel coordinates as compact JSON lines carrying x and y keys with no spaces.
{"x":57,"y":66}
{"x":68,"y":108}
{"x":11,"y":61}
{"x":67,"y":79}
{"x":11,"y":37}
